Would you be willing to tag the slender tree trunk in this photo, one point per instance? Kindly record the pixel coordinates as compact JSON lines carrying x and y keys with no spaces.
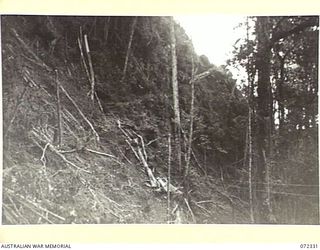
{"x":80,"y":41}
{"x":169,"y":180}
{"x":271,"y":122}
{"x":129,"y":48}
{"x":263,"y":117}
{"x":250,"y":78}
{"x":250,"y":166}
{"x":282,"y":146}
{"x":106,"y":29}
{"x":175,"y":90}
{"x":92,"y":80}
{"x":189,"y":146}
{"x":280,"y":97}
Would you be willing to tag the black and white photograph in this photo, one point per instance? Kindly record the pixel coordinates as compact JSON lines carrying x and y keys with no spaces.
{"x":187,"y":119}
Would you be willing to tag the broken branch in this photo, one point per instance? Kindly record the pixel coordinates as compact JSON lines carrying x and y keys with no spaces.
{"x":53,"y":149}
{"x":103,"y":154}
{"x":80,"y":112}
{"x":30,"y":51}
{"x":35,"y":205}
{"x":190,"y":210}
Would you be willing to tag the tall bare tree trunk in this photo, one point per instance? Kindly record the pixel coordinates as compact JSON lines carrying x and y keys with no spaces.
{"x":263,"y":118}
{"x":175,"y":91}
{"x":92,"y":80}
{"x":169,"y":180}
{"x":250,"y":76}
{"x":80,"y":42}
{"x":189,"y":146}
{"x":134,"y":22}
{"x":250,"y":166}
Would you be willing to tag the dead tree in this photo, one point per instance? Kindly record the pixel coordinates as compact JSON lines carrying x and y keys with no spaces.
{"x":175,"y":93}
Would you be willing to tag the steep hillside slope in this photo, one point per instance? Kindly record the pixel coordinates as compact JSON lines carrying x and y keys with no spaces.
{"x":71,"y":159}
